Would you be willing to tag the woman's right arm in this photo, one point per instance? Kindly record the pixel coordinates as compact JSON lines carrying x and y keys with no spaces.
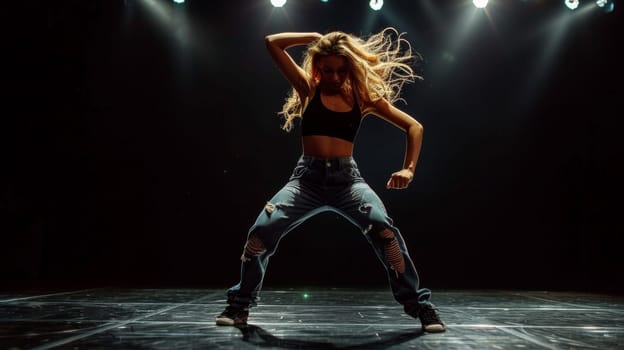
{"x":277,"y":45}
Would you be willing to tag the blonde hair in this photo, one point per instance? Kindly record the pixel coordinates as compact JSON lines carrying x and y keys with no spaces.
{"x":380,"y":65}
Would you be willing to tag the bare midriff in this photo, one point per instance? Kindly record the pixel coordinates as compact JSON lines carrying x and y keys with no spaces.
{"x":326,"y":147}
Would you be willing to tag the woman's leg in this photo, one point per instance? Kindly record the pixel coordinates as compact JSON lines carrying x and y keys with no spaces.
{"x":288,"y":208}
{"x":364,"y":207}
{"x":361,"y":205}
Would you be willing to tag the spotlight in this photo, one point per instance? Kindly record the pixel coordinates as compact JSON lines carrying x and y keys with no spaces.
{"x":376,"y":4}
{"x":278,"y":3}
{"x":480,"y":3}
{"x":178,"y":1}
{"x":572,"y":4}
{"x":606,"y":5}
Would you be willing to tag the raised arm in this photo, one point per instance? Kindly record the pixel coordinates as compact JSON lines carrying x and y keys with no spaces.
{"x":277,"y":45}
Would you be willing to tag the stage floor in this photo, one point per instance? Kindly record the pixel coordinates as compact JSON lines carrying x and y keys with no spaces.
{"x":301,"y":318}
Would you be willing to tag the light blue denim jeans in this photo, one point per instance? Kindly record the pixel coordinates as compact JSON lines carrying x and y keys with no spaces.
{"x":316,"y":185}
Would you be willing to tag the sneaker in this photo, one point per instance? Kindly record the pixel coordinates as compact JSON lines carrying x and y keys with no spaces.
{"x":233,"y":316}
{"x":430,"y":319}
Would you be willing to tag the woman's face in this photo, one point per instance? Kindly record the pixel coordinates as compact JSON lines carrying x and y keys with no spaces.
{"x":334,"y":70}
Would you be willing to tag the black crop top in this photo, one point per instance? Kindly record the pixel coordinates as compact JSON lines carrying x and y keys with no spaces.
{"x":319,"y":120}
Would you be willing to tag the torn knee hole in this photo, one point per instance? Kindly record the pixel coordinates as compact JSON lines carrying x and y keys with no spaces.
{"x":269,"y":208}
{"x":365,"y":208}
{"x":253,"y":247}
{"x":386,"y":234}
{"x":392,"y":251}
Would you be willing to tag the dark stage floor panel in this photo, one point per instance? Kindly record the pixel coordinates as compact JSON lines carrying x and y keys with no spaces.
{"x":301,"y":318}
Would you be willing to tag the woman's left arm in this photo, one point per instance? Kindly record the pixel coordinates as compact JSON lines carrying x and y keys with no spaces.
{"x":414,"y":133}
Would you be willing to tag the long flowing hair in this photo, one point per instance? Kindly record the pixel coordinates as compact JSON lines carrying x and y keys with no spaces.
{"x":379,"y":67}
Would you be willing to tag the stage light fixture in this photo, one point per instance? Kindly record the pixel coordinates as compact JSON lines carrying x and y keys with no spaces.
{"x":605,"y":5}
{"x":178,"y":1}
{"x":480,"y":3}
{"x":278,"y":3}
{"x":572,"y":4}
{"x":376,"y":4}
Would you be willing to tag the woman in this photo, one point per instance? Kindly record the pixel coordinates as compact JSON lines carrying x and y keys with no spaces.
{"x":342,"y":79}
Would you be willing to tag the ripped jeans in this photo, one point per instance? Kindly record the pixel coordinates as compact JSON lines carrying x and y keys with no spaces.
{"x":316,"y":185}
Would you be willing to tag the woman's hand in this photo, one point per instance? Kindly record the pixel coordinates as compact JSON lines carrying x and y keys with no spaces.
{"x":400,"y":179}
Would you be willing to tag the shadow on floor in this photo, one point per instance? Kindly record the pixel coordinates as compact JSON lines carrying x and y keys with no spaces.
{"x":260,"y":337}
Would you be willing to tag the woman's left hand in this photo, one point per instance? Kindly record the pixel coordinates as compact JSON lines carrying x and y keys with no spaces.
{"x":400,"y":179}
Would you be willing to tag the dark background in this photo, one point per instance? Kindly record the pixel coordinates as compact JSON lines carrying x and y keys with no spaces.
{"x":144,"y":140}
